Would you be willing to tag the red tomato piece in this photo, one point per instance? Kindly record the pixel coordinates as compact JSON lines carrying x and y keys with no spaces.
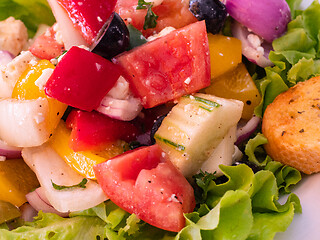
{"x":146,"y":183}
{"x":170,"y":13}
{"x":46,"y":46}
{"x":170,"y":66}
{"x":81,"y":79}
{"x":94,"y":131}
{"x":88,"y":16}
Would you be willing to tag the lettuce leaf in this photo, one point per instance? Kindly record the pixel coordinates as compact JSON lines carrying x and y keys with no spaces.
{"x":51,"y":226}
{"x":244,"y":207}
{"x":31,"y":12}
{"x":286,"y":176}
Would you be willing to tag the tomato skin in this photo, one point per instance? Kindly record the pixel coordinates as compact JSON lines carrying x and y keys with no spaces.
{"x":46,"y":46}
{"x":94,"y":131}
{"x":88,"y":16}
{"x":146,"y":183}
{"x":170,"y":13}
{"x":168,"y":67}
{"x":81,"y":79}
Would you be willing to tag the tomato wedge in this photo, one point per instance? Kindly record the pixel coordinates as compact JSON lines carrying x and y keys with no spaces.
{"x":170,"y":13}
{"x":46,"y":46}
{"x":170,"y":66}
{"x":146,"y":183}
{"x":81,"y":79}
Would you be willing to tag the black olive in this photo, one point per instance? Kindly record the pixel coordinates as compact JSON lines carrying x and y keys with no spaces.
{"x":212,"y":11}
{"x":66,"y":113}
{"x":155,"y":128}
{"x":112,"y":39}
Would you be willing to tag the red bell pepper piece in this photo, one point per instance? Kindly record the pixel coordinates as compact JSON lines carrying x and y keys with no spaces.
{"x":81,"y":79}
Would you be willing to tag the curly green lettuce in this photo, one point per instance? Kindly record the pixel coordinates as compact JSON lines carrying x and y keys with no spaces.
{"x":31,"y":12}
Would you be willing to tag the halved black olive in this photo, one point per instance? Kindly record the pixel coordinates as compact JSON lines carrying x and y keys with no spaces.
{"x":112,"y":39}
{"x":212,"y":11}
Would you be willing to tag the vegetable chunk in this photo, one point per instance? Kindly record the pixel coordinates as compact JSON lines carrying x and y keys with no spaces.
{"x":180,"y":66}
{"x":292,"y":126}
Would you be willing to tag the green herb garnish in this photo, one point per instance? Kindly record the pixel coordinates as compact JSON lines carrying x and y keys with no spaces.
{"x":150,"y":20}
{"x":176,"y":145}
{"x":203,"y":180}
{"x":204,"y":101}
{"x":82,"y":184}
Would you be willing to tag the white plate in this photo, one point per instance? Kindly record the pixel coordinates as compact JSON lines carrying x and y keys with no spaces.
{"x":307,"y":224}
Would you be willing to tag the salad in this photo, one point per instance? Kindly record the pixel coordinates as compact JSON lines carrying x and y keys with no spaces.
{"x":134,"y":119}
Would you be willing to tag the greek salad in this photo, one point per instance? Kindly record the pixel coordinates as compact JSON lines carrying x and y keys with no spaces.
{"x":149,"y":119}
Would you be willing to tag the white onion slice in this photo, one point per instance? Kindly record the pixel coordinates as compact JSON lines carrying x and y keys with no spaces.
{"x":70,"y":35}
{"x":28,"y":212}
{"x":245,"y":131}
{"x":39,"y":205}
{"x":22,"y":122}
{"x":256,"y":53}
{"x":9,"y":152}
{"x":5,"y":57}
{"x":125,"y":110}
{"x":50,"y":167}
{"x":11,"y":72}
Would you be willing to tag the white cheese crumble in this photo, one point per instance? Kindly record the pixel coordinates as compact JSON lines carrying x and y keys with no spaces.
{"x":173,"y":198}
{"x":58,"y":35}
{"x":155,"y":2}
{"x":187,"y":81}
{"x":120,"y":90}
{"x":162,"y":33}
{"x":42,"y":80}
{"x":13,"y":35}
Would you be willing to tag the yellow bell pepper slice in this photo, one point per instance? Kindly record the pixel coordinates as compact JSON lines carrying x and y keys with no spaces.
{"x":225,"y":54}
{"x":26,"y":89}
{"x":16,"y":180}
{"x":82,"y":161}
{"x":237,"y":84}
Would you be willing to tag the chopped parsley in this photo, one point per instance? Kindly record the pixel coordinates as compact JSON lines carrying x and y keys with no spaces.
{"x":82,"y":184}
{"x":150,"y":20}
{"x":203,"y":180}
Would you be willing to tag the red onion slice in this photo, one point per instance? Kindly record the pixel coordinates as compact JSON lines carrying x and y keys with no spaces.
{"x":267,"y":19}
{"x":244,"y":132}
{"x":9,"y":152}
{"x":5,"y":57}
{"x":40,"y":191}
{"x":38,"y":204}
{"x":28,"y":212}
{"x":253,"y":47}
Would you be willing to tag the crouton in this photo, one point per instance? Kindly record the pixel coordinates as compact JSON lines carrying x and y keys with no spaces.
{"x":292,"y":126}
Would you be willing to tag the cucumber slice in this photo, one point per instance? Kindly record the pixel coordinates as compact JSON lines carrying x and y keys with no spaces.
{"x":195,"y":127}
